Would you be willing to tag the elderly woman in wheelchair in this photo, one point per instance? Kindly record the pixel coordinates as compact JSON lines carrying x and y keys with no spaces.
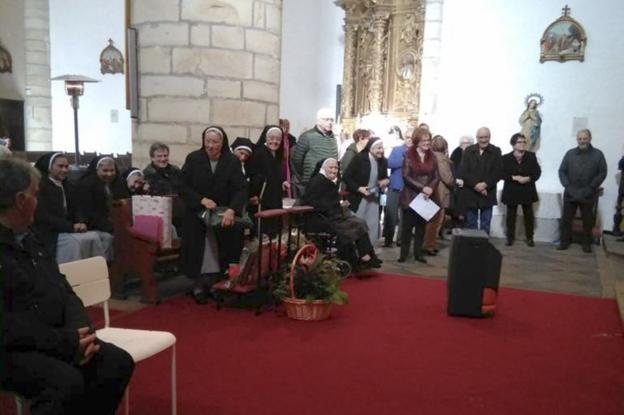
{"x":332,"y":220}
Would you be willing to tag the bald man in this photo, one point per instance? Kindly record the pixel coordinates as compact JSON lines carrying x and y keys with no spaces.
{"x":481,"y":169}
{"x":315,"y":145}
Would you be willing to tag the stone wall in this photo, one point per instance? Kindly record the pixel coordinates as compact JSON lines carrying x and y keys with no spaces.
{"x":38,"y":103}
{"x":204,"y":62}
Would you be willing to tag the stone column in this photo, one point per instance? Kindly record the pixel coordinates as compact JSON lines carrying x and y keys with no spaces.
{"x":204,"y":62}
{"x":349,"y":69}
{"x":376,"y":84}
{"x":38,"y":102}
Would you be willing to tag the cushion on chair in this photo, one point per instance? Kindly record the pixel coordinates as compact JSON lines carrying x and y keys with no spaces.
{"x":148,"y":226}
{"x":140,"y":344}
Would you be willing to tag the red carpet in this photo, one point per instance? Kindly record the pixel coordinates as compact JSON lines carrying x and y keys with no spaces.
{"x":392,"y":350}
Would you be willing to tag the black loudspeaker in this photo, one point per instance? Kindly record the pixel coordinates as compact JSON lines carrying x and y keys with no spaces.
{"x":473,"y":274}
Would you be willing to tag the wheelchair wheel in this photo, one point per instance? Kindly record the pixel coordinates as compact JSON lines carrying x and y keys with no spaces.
{"x":344,"y":267}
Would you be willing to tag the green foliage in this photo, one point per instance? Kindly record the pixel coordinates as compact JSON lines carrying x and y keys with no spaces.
{"x":321,"y":281}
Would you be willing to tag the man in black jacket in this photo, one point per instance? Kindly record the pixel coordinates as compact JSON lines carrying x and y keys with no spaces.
{"x":481,"y":168}
{"x":49,"y":351}
{"x":582,"y":171}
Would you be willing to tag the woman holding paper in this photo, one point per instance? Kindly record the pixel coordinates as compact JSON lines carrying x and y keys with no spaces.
{"x":420,"y":176}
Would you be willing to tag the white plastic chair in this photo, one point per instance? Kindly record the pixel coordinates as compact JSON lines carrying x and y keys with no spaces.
{"x":89,"y":279}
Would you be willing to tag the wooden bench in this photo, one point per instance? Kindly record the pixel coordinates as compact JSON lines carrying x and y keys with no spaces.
{"x":137,"y":254}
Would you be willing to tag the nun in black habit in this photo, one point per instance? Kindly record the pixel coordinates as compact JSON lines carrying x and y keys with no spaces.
{"x":265,"y":170}
{"x":211,"y":178}
{"x":97,"y":188}
{"x":365,"y":179}
{"x":332,"y":215}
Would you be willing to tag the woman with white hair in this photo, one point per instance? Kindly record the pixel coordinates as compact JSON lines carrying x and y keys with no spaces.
{"x":332,"y":215}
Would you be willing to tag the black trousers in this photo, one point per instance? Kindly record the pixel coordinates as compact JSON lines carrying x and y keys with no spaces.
{"x":617,"y":218}
{"x":56,"y":387}
{"x":391,"y":216}
{"x":412,"y":220}
{"x":587,"y":215}
{"x":529,"y":220}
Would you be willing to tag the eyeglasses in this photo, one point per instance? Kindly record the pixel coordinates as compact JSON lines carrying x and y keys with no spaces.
{"x":483,"y":136}
{"x":327,"y":119}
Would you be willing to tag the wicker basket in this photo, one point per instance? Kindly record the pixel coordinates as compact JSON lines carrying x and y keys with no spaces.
{"x":299,"y":309}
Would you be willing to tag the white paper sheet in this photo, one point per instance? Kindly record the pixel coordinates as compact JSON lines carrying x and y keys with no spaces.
{"x":424,"y":207}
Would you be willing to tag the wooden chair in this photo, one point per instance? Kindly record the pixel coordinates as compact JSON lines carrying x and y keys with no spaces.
{"x":137,"y":252}
{"x":89,"y":279}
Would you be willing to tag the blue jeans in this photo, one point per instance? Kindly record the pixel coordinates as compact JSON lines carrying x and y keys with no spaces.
{"x":473,"y":221}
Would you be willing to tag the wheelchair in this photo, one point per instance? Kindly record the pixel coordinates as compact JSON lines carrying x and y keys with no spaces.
{"x":318,"y":231}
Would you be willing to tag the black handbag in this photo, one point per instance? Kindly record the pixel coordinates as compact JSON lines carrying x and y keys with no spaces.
{"x":213,"y":217}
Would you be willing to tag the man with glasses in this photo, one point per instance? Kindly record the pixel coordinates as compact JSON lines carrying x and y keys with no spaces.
{"x":582,"y":171}
{"x":315,"y":145}
{"x":481,"y":169}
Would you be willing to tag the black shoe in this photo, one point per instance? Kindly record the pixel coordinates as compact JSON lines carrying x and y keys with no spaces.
{"x":401,"y":259}
{"x":530,"y":242}
{"x":200,"y":296}
{"x":587,"y":249}
{"x":431,"y":252}
{"x":375,"y":263}
{"x":420,"y":258}
{"x":387,"y":245}
{"x":509,"y":242}
{"x":562,"y":247}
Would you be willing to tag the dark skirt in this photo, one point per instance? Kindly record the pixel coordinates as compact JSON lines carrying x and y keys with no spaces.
{"x":348,"y":227}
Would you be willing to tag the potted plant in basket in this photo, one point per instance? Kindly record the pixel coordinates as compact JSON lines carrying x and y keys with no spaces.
{"x":312,"y":286}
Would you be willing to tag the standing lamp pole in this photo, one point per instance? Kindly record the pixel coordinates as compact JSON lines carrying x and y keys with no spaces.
{"x":74,"y":86}
{"x":75,"y":106}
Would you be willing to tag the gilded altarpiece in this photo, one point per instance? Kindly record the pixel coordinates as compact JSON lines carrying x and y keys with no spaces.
{"x":382,"y":60}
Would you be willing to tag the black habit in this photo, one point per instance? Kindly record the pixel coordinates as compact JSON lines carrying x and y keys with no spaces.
{"x":51,"y":216}
{"x":227,"y":187}
{"x":358,"y":172}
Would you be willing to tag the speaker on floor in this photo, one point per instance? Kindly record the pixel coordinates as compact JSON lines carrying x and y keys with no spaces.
{"x":473,"y":274}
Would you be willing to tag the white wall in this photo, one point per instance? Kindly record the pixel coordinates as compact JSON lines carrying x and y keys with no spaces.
{"x":490,"y":61}
{"x":12,"y":37}
{"x":79,"y":31}
{"x":312,"y":60}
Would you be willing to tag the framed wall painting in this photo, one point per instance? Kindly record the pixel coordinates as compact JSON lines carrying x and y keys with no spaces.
{"x":563,"y":40}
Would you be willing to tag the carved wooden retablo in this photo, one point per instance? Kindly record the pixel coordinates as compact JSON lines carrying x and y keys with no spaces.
{"x":382,"y":59}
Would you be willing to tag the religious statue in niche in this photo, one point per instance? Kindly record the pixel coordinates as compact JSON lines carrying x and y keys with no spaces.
{"x":531,"y":120}
{"x":111,"y":59}
{"x":6,"y":62}
{"x":407,"y":66}
{"x":564,"y":40}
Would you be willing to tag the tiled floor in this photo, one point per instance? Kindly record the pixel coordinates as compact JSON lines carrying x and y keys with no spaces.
{"x":540,"y":268}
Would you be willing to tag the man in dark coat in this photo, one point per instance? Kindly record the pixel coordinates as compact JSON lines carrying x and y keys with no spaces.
{"x":520,"y":172}
{"x":481,"y":169}
{"x":49,"y":352}
{"x":582,"y":171}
